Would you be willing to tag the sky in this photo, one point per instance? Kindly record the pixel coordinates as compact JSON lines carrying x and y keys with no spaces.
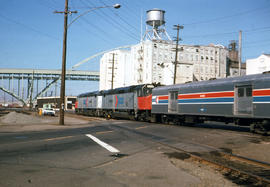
{"x":31,"y":34}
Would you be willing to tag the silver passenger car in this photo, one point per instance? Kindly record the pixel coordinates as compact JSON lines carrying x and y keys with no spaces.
{"x":243,"y":100}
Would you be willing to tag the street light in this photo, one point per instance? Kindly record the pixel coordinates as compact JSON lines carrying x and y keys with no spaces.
{"x":63,"y":74}
{"x":116,"y":6}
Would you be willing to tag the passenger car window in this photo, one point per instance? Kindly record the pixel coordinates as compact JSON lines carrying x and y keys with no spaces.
{"x":248,"y":91}
{"x":240,"y":92}
{"x":173,"y":95}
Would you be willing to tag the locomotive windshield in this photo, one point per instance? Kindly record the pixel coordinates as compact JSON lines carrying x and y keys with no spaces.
{"x":144,"y":91}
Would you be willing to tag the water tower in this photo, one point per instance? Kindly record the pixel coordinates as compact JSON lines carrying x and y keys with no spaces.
{"x":156,"y":21}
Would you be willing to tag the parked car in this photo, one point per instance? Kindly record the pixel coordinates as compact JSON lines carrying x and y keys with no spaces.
{"x":48,"y":111}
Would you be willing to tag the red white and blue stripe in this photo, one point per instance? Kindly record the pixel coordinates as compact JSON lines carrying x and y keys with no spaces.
{"x":161,"y":99}
{"x":261,"y":96}
{"x":223,"y":97}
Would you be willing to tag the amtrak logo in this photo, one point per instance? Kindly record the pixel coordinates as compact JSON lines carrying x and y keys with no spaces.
{"x":85,"y":102}
{"x":119,"y":101}
{"x":155,"y":100}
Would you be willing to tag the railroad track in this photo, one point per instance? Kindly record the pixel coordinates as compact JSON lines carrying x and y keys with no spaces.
{"x":241,"y":170}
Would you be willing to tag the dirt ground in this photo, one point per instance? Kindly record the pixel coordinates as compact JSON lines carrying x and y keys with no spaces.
{"x":32,"y":121}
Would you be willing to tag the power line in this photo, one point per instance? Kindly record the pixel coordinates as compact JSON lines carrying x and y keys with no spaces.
{"x":258,"y":29}
{"x":114,"y":23}
{"x":98,"y":29}
{"x":228,"y":33}
{"x":117,"y":24}
{"x":139,"y":4}
{"x":257,"y":41}
{"x":226,"y":17}
{"x":128,"y":10}
{"x":120,"y":17}
{"x":266,"y":43}
{"x":51,"y":4}
{"x":207,"y":35}
{"x":28,"y":27}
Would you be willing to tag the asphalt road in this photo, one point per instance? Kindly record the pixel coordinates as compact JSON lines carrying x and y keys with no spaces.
{"x":69,"y":157}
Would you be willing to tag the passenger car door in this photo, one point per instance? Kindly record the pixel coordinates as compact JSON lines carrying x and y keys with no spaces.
{"x":173,"y":102}
{"x":243,"y":100}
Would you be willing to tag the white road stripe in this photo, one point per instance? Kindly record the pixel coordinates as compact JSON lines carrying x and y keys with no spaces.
{"x":103,"y":144}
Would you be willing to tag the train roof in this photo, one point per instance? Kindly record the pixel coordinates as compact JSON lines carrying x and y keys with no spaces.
{"x":215,"y":82}
{"x":87,"y":94}
{"x":124,"y":89}
{"x":114,"y":91}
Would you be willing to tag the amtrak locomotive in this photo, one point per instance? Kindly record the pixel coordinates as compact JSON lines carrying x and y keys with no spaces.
{"x":133,"y":102}
{"x":242,"y":100}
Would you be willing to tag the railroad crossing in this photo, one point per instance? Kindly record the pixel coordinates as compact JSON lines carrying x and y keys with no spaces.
{"x":39,"y":79}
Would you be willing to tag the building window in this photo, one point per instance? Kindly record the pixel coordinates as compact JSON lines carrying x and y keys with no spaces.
{"x":206,"y":69}
{"x":181,"y":57}
{"x":201,"y":69}
{"x":196,"y":69}
{"x":197,"y":50}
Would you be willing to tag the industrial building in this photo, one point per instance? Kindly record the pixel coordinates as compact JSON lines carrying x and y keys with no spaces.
{"x":152,"y":60}
{"x":233,"y":61}
{"x":258,"y":65}
{"x":233,"y":69}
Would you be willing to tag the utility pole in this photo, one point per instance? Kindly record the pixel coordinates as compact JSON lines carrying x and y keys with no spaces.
{"x":240,"y":52}
{"x":176,"y":27}
{"x":63,"y":74}
{"x":112,"y":69}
